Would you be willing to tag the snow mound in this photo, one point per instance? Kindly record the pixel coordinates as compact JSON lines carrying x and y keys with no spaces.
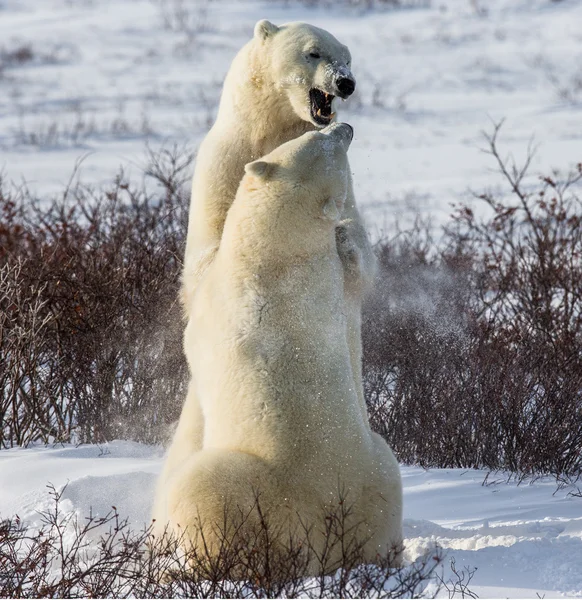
{"x":522,"y":539}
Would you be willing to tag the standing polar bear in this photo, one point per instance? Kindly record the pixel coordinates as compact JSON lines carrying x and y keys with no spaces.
{"x":280,"y":85}
{"x":268,"y":348}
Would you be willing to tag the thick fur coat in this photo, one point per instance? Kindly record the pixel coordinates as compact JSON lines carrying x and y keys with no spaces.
{"x":268,"y":347}
{"x":269,"y":97}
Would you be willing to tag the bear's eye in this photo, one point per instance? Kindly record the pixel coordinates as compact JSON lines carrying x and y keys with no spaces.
{"x":314,"y":54}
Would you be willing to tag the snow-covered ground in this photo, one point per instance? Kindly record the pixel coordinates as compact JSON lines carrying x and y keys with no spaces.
{"x":101,"y":78}
{"x":524,"y":540}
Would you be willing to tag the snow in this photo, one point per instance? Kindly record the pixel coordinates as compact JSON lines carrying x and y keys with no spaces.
{"x":96,"y":477}
{"x":106,"y":77}
{"x":523,"y":539}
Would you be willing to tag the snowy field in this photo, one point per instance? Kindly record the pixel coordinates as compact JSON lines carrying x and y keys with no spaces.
{"x":100,"y":79}
{"x":523,"y":540}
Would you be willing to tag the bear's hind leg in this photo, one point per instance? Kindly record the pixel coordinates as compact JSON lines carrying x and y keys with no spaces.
{"x":384,"y":498}
{"x":223,"y":496}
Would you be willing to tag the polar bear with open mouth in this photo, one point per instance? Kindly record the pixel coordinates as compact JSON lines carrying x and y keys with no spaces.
{"x":283,"y":83}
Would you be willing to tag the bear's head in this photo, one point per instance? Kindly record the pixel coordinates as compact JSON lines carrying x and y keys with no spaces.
{"x":302,"y":184}
{"x":309,"y":65}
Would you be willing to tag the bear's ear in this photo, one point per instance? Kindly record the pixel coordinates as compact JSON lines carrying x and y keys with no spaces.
{"x":265,"y":29}
{"x":261,"y":169}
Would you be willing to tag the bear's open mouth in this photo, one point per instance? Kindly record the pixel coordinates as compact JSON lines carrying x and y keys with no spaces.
{"x":321,"y":106}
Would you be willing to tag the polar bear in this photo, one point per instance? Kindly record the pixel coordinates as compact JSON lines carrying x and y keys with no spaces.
{"x":268,"y":348}
{"x":281,"y":84}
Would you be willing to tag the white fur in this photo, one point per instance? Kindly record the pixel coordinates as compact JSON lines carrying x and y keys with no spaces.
{"x":268,"y":348}
{"x":265,"y":102}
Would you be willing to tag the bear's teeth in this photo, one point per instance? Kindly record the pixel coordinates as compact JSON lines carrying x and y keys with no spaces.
{"x":332,"y":115}
{"x":318,"y":113}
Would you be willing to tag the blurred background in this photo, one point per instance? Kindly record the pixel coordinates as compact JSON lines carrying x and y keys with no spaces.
{"x":101,"y":79}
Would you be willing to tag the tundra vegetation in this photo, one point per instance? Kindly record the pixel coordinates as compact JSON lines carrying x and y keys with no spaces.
{"x":472,"y":350}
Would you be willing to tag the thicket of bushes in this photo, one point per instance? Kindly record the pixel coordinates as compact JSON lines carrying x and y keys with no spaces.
{"x":473,"y":346}
{"x":472,"y":343}
{"x":90,"y":325}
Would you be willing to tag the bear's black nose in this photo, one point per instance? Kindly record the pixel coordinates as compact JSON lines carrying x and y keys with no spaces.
{"x":346,"y":86}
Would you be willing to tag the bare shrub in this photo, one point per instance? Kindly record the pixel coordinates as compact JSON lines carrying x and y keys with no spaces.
{"x":90,"y":327}
{"x":183,"y":16}
{"x":20,"y":55}
{"x":370,"y":4}
{"x":23,"y":53}
{"x":78,"y":126}
{"x":473,"y":346}
{"x":458,"y":585}
{"x":529,"y":304}
{"x":565,"y":79}
{"x":24,"y":323}
{"x":415,"y":336}
{"x":102,"y":557}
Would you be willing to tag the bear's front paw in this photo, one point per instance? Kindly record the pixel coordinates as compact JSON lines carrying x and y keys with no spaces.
{"x":349,"y":253}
